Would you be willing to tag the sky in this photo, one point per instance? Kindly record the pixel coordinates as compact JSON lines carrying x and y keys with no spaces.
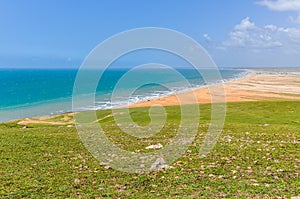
{"x":236,"y":33}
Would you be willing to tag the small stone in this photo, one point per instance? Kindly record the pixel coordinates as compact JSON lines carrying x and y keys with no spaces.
{"x":228,"y":138}
{"x":103,"y":163}
{"x":77,"y":181}
{"x":155,"y":146}
{"x":295,"y":197}
{"x":25,"y":127}
{"x":69,"y":126}
{"x":160,"y":163}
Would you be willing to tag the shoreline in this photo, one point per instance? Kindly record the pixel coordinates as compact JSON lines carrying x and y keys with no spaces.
{"x":243,"y":75}
{"x":256,"y":85}
{"x":64,"y":105}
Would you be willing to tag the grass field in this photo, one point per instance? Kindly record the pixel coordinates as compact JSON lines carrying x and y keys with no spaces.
{"x":257,"y":156}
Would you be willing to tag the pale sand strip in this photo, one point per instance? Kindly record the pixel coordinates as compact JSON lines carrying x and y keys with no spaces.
{"x":67,"y":119}
{"x":251,"y":88}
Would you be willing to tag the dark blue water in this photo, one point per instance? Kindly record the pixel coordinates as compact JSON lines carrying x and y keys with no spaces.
{"x":33,"y":92}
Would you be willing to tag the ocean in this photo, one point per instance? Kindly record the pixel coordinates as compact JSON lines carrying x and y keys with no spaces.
{"x":38,"y":92}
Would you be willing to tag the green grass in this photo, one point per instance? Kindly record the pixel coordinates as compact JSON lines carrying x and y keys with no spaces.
{"x":289,"y":94}
{"x":258,"y":161}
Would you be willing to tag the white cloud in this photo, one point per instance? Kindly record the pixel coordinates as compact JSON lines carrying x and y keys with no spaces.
{"x":245,"y":24}
{"x":207,"y":37}
{"x":247,"y":34}
{"x":281,"y":5}
{"x":249,"y":44}
{"x":291,"y":35}
{"x":271,"y":27}
{"x":295,"y":19}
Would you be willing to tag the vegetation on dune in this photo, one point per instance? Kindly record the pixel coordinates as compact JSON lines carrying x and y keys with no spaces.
{"x":257,"y":156}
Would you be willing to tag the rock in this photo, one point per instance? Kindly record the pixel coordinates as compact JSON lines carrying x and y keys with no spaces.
{"x":77,"y":181}
{"x":228,"y":138}
{"x":160,"y":163}
{"x":25,"y":127}
{"x":123,"y":188}
{"x":266,"y":124}
{"x":69,"y":126}
{"x":155,"y":146}
{"x":142,"y":158}
{"x":103,"y":163}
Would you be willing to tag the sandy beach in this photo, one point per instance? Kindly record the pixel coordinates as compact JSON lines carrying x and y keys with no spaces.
{"x":259,"y":85}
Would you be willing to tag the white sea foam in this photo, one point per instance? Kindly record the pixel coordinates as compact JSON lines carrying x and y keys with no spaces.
{"x":63,"y":105}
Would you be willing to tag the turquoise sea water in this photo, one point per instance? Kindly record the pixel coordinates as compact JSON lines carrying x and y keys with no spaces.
{"x":36,"y":92}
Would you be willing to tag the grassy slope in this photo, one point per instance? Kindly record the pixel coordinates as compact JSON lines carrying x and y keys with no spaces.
{"x":259,"y":161}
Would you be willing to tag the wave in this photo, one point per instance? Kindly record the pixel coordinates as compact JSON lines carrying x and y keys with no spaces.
{"x":103,"y":100}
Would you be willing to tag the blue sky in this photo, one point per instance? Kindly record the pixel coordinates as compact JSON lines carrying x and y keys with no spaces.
{"x":60,"y":33}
